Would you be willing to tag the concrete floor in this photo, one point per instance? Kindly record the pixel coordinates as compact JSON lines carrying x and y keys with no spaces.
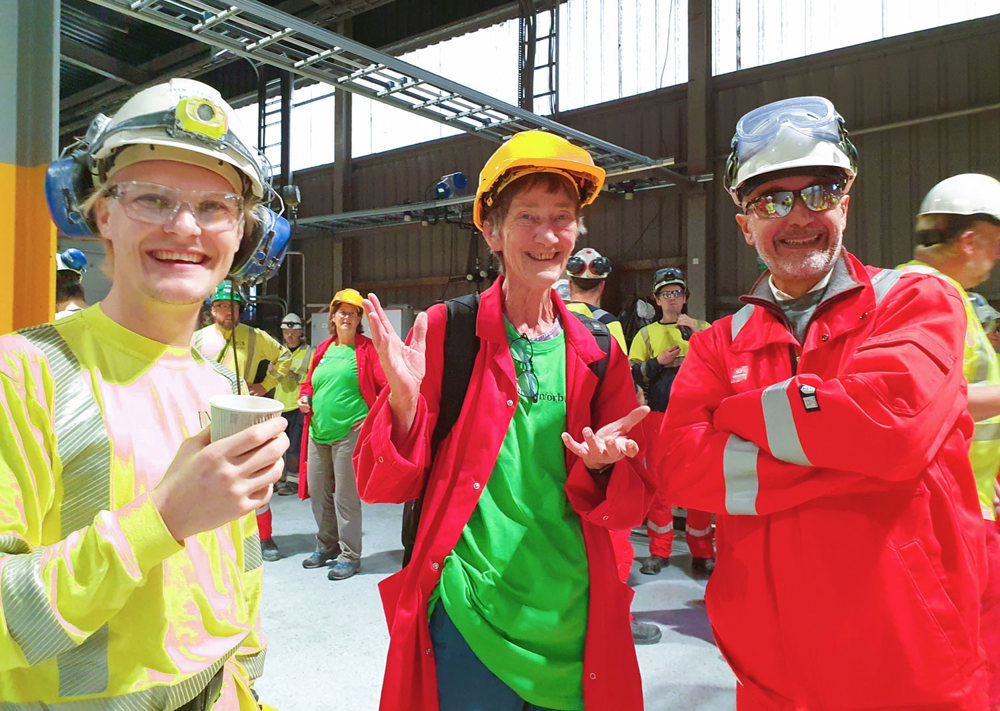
{"x":328,"y":639}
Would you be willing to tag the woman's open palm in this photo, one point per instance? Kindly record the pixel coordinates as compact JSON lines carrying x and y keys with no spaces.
{"x":404,"y":364}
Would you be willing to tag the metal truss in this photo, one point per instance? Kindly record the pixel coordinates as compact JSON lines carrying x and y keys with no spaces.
{"x":250,"y":29}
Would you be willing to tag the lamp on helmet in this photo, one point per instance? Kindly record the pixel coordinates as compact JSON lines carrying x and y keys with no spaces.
{"x":179,"y":114}
{"x":803,"y":132}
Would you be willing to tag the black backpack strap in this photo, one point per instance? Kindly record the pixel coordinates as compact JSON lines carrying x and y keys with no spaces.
{"x":602,"y":335}
{"x":460,"y":349}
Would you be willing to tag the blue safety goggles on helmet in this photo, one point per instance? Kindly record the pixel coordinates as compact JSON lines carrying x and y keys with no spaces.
{"x":801,"y":132}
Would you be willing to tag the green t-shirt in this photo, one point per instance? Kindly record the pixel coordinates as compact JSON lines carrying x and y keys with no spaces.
{"x":516,"y":584}
{"x":337,"y":403}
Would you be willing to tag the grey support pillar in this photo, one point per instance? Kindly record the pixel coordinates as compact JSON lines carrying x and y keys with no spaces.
{"x":343,"y":159}
{"x":698,"y":160}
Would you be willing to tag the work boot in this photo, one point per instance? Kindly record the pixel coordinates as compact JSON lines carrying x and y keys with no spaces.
{"x":645,"y":632}
{"x":286,"y":488}
{"x":702,"y":567}
{"x":653,"y":565}
{"x":344,"y":568}
{"x":269,"y":549}
{"x":318,"y":560}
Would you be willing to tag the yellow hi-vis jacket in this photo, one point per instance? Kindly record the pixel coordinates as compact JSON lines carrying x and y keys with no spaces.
{"x":287,"y":391}
{"x":100,"y":608}
{"x":252,"y":347}
{"x":981,"y":368}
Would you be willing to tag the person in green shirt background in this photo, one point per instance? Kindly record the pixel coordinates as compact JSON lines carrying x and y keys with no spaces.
{"x":343,"y":381}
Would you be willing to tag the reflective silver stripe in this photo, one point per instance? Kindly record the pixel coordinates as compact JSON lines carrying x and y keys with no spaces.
{"x":883,"y":282}
{"x":986,"y":432}
{"x":13,"y":545}
{"x":698,"y":532}
{"x":155,"y":697}
{"x":27,"y":611}
{"x":84,"y":451}
{"x":83,"y":670}
{"x":660,"y":529}
{"x":782,"y":435}
{"x":254,"y":664}
{"x":253,"y":558}
{"x":81,"y":436}
{"x":740,"y":319}
{"x":222,"y":370}
{"x":251,"y":347}
{"x":739,"y":470}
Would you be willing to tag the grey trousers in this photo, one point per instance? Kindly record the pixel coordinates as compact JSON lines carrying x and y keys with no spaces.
{"x":333,"y":492}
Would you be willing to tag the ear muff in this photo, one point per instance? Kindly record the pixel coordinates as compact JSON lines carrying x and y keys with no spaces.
{"x":67,"y":185}
{"x":262,"y":249}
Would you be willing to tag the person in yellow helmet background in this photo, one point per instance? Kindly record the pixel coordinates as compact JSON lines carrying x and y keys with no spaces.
{"x":259,"y":359}
{"x":344,"y":379}
{"x":958,"y":236}
{"x":511,"y":598}
{"x":130,"y":570}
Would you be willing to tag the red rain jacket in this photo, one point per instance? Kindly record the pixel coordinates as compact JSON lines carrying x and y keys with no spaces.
{"x":850,"y":541}
{"x":458,"y":476}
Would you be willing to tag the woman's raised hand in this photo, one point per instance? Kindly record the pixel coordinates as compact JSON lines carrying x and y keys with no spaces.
{"x":404,"y":364}
{"x":608,"y":444}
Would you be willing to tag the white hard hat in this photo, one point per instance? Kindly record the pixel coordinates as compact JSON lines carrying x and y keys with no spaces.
{"x":562,"y":289}
{"x":179,"y":115}
{"x":965,"y":194}
{"x":801,"y":132}
{"x":291,"y":321}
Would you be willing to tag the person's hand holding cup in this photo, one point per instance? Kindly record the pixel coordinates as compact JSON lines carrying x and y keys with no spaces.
{"x":227,"y":470}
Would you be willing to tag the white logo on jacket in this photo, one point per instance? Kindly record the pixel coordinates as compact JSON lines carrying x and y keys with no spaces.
{"x":739,"y":374}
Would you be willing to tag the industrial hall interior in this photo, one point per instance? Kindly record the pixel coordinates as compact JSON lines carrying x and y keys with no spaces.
{"x":479,"y":355}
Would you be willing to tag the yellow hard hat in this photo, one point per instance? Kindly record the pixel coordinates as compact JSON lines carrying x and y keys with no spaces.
{"x":347,"y":296}
{"x":536,"y":152}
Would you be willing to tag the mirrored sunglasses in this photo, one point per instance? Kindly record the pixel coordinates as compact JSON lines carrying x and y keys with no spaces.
{"x":159,"y":205}
{"x":817,"y":198}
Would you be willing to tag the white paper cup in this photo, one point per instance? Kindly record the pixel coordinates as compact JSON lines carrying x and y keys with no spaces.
{"x":234,"y":413}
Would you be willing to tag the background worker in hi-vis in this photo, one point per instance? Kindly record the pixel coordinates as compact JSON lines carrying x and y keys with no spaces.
{"x":130,"y":570}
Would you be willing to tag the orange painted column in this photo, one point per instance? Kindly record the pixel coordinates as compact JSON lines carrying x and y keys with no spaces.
{"x":29,"y":89}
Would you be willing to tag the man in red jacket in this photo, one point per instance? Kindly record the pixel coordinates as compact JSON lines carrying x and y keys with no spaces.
{"x":826,"y":425}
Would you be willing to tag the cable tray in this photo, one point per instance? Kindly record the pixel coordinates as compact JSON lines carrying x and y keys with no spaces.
{"x":250,"y":29}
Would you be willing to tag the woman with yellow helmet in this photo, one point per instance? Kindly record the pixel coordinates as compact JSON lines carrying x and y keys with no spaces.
{"x":511,"y":598}
{"x":343,"y":381}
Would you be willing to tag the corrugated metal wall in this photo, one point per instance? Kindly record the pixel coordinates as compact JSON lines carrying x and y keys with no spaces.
{"x":920,"y":107}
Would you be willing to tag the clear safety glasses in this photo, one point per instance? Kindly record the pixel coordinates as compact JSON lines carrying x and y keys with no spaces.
{"x":527,"y":382}
{"x":779,"y":203}
{"x":159,"y":205}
